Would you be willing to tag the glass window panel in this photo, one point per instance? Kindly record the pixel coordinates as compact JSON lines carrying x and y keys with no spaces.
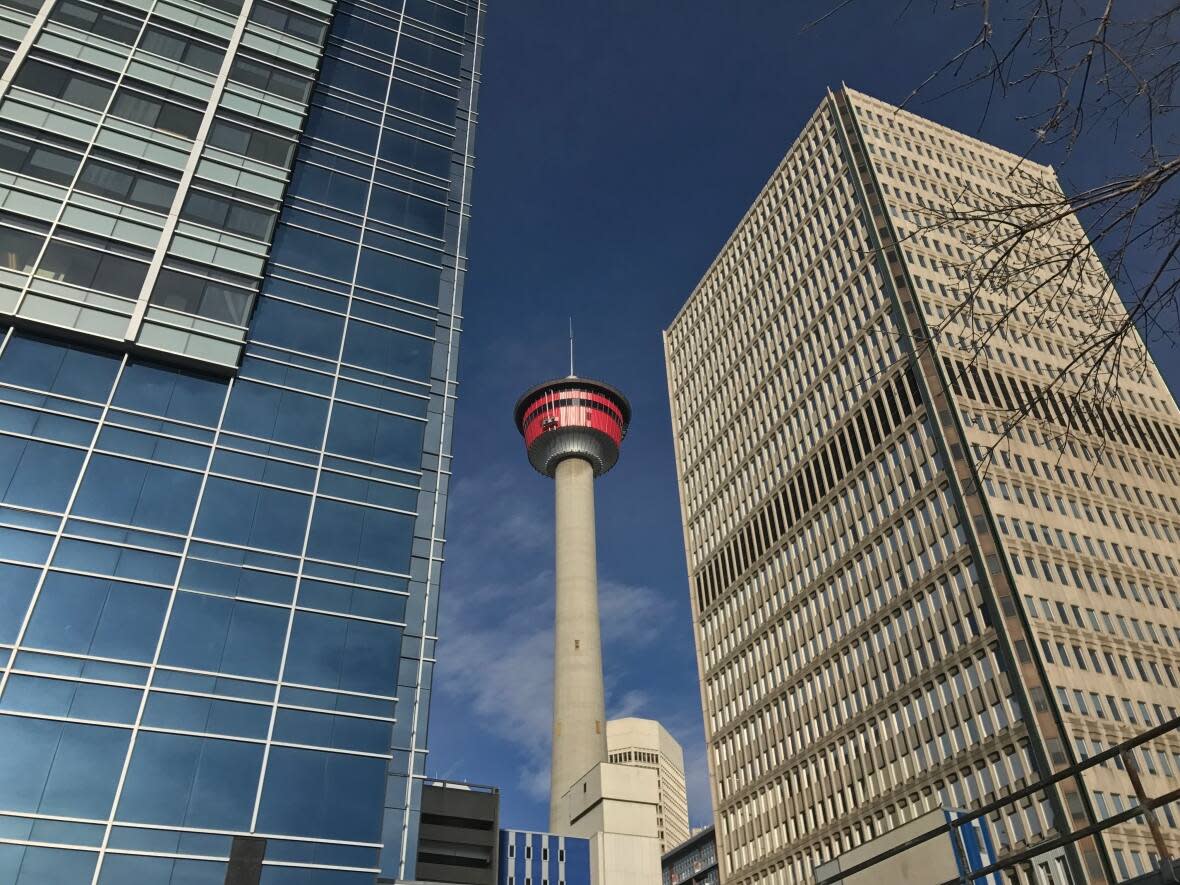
{"x":298,"y":328}
{"x":173,"y":394}
{"x":388,"y":350}
{"x":273,"y":413}
{"x":184,"y":713}
{"x":365,"y":536}
{"x":388,"y":273}
{"x":30,"y":865}
{"x":415,"y":153}
{"x":136,"y":107}
{"x":125,"y":869}
{"x":135,"y":493}
{"x":58,"y":368}
{"x":62,"y":768}
{"x":106,"y":23}
{"x":325,"y":795}
{"x":16,"y":589}
{"x":375,"y":436}
{"x":340,"y":732}
{"x":343,"y":653}
{"x":241,"y":513}
{"x":160,"y":42}
{"x":424,"y":102}
{"x":97,"y":616}
{"x":36,"y":474}
{"x":224,"y":635}
{"x":232,"y":580}
{"x":181,"y":780}
{"x":309,"y":251}
{"x":336,"y":189}
{"x":340,"y":129}
{"x":19,"y":249}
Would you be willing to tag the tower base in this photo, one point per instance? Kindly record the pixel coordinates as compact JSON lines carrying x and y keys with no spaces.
{"x":611,"y":806}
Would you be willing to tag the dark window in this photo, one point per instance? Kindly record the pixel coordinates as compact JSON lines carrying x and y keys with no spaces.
{"x":222,"y":213}
{"x":299,"y":328}
{"x":18,"y":583}
{"x":37,"y":76}
{"x":125,"y":183}
{"x":422,"y":101}
{"x":421,"y":52}
{"x":183,"y":713}
{"x":183,"y":49}
{"x":19,"y":249}
{"x":113,"y":25}
{"x":387,"y":350}
{"x":389,"y":273}
{"x":40,"y":161}
{"x":207,"y":298}
{"x":292,"y":23}
{"x":120,"y":868}
{"x":265,"y":76}
{"x":252,"y":143}
{"x":436,"y":14}
{"x":90,"y":269}
{"x":156,"y":112}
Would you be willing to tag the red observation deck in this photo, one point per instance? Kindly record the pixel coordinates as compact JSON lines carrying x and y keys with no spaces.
{"x":573,"y":418}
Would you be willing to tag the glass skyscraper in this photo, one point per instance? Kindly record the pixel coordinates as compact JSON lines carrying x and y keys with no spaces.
{"x":232,"y":238}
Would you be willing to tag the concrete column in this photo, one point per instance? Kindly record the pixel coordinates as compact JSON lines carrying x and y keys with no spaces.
{"x":579,"y":715}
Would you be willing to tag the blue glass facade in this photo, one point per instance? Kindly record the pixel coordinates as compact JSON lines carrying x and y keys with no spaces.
{"x":218,"y":590}
{"x":543,"y":859}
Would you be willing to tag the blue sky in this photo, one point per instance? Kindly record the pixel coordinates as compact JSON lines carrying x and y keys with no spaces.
{"x":619,"y":144}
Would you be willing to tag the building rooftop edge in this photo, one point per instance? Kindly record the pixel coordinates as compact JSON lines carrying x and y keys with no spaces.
{"x":830,"y":91}
{"x":688,"y":843}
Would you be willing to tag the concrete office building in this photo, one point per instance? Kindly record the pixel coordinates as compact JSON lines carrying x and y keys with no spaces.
{"x":645,"y":743}
{"x":458,"y":833}
{"x":693,"y":861}
{"x":232,"y":239}
{"x":881,"y":630}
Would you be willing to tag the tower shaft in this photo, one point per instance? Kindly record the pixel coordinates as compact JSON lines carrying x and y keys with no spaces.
{"x":579,"y":715}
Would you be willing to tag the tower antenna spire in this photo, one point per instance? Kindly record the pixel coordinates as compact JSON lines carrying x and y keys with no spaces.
{"x":571,"y":347}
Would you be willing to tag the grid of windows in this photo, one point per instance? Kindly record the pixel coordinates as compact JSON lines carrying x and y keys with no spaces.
{"x":845,"y":581}
{"x":218,"y":593}
{"x":1083,"y":492}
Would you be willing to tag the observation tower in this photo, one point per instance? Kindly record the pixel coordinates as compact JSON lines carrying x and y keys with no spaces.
{"x":572,"y":428}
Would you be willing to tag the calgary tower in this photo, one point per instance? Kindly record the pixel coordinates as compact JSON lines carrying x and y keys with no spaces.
{"x":572,"y":428}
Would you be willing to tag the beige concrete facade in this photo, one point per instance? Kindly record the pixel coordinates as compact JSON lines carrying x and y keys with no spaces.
{"x":579,"y":717}
{"x":645,"y":743}
{"x":614,"y":807}
{"x":886,"y":623}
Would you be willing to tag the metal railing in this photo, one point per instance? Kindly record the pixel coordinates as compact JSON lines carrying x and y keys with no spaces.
{"x":1146,"y":807}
